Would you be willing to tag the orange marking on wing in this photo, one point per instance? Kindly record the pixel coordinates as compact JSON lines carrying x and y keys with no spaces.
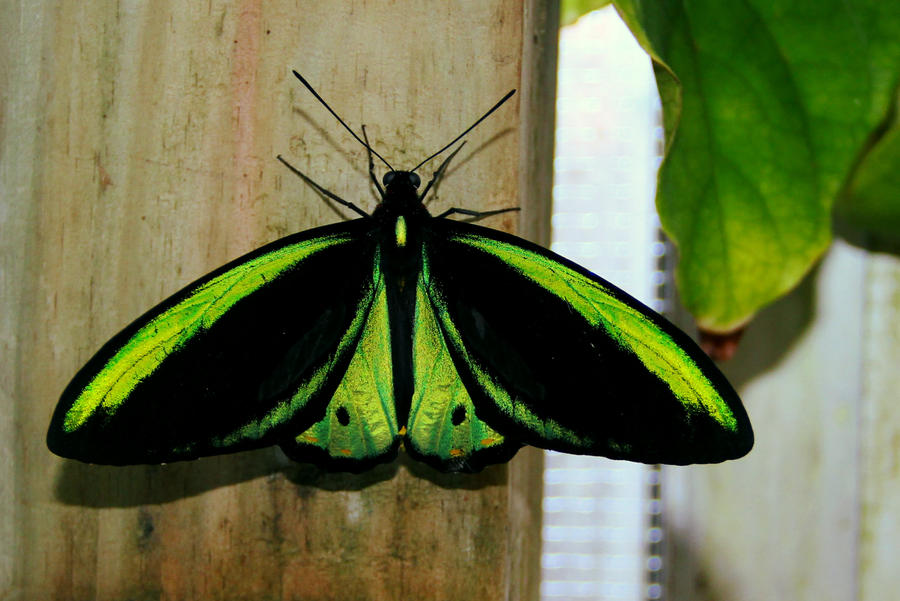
{"x":456,"y":452}
{"x":345,"y":451}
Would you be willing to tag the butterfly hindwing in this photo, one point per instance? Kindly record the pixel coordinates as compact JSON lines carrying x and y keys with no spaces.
{"x":232,"y":361}
{"x":443,"y":428}
{"x":557,"y":357}
{"x":359,"y":426}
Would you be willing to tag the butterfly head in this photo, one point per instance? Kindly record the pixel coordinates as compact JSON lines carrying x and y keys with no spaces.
{"x":401,"y":196}
{"x":401,"y":181}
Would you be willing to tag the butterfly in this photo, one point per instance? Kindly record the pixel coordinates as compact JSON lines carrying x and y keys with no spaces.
{"x":346,"y":342}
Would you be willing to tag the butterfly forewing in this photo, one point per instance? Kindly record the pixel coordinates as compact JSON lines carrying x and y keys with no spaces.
{"x":559,"y":358}
{"x":230,"y":362}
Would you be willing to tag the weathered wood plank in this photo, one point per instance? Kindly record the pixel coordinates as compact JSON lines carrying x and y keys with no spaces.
{"x":138,"y":145}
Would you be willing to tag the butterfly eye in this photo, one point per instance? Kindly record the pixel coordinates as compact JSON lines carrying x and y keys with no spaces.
{"x":388,"y":178}
{"x":414,"y":180}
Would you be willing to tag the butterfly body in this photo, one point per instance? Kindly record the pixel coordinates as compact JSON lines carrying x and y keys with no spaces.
{"x":399,"y":220}
{"x":343,"y":343}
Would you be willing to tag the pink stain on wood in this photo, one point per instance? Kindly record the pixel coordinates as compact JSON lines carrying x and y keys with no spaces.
{"x":245,"y":60}
{"x":105,"y":179}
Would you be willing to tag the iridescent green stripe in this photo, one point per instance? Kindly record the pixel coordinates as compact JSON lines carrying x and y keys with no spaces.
{"x":145,"y":351}
{"x":626,"y":325}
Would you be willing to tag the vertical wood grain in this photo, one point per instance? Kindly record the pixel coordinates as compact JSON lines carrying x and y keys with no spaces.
{"x":138,"y":149}
{"x":880,"y":432}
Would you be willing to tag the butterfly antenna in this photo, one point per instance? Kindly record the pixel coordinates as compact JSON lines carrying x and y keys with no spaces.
{"x":437,"y":175}
{"x":341,"y":121}
{"x":470,"y":128}
{"x":372,"y":165}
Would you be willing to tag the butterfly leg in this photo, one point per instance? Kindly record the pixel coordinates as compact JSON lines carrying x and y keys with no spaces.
{"x":476,"y":215}
{"x":437,"y":175}
{"x":322,"y":190}
{"x":372,"y":164}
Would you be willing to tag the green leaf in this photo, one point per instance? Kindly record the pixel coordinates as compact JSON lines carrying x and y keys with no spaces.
{"x":872,"y":200}
{"x":571,"y":10}
{"x":773,"y":102}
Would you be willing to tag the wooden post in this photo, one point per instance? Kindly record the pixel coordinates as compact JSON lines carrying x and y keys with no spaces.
{"x":137,"y":152}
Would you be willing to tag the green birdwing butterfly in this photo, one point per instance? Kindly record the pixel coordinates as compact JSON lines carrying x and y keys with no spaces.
{"x":345,"y":342}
